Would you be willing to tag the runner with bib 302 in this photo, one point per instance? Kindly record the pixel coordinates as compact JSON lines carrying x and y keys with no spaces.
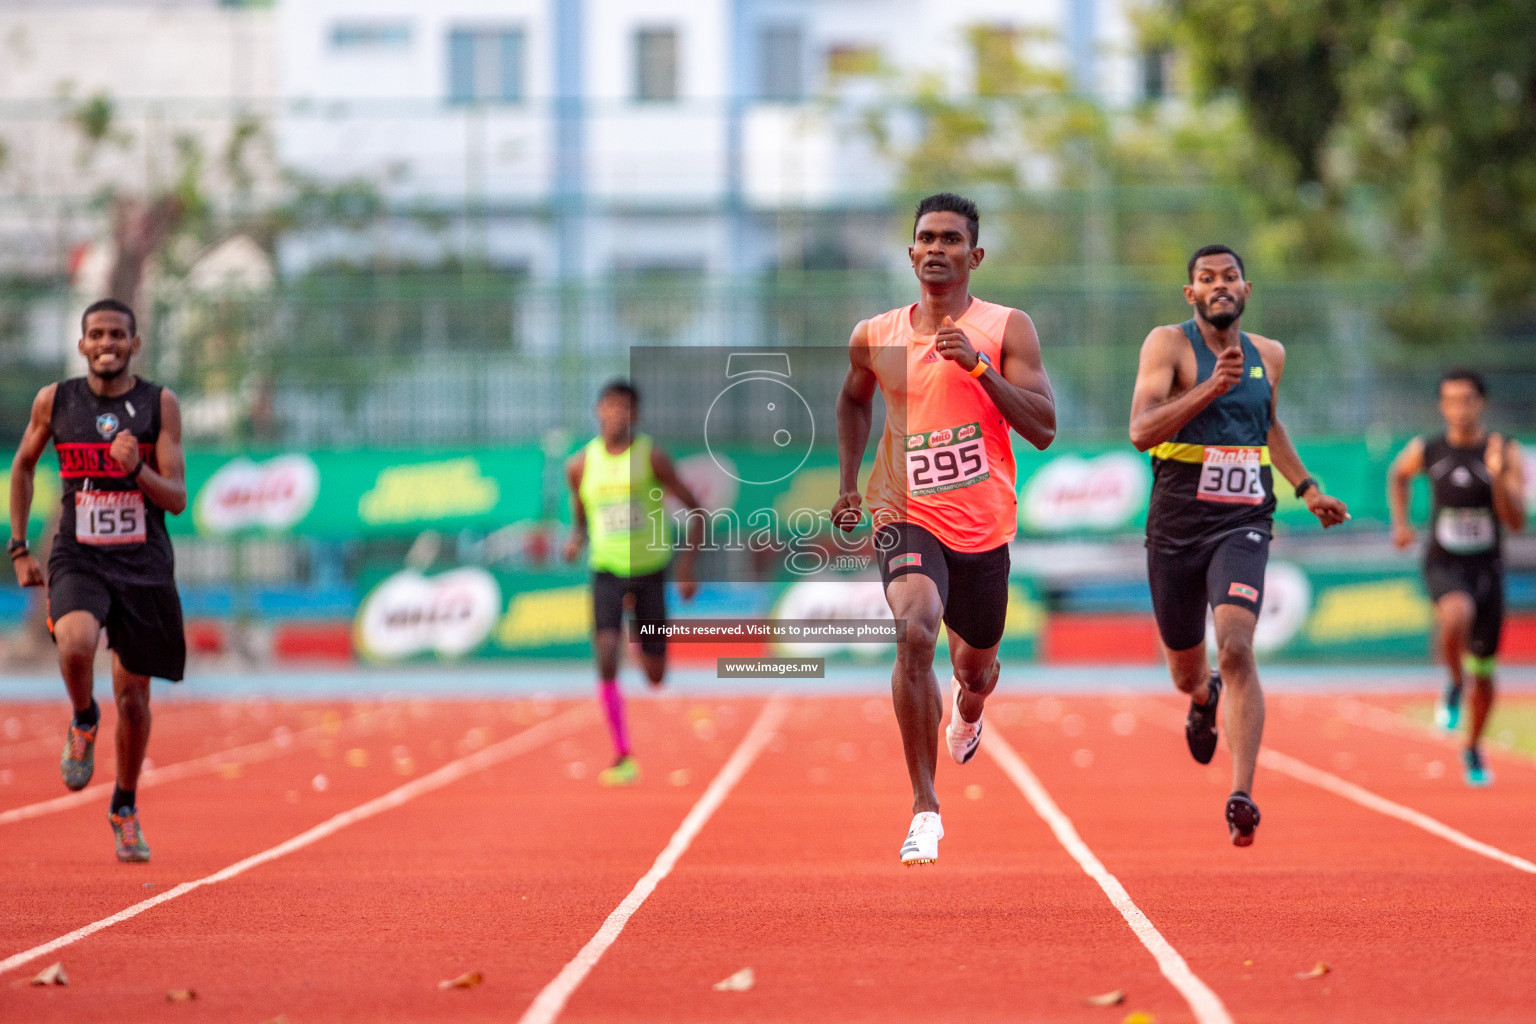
{"x":1205,"y":408}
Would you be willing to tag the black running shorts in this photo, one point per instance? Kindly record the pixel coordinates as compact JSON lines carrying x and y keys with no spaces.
{"x":143,"y":621}
{"x":1226,"y":570}
{"x":650,"y":596}
{"x":1483,"y":581}
{"x":978,"y":581}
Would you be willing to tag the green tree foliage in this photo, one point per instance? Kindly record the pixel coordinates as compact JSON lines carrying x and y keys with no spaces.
{"x":1431,"y":104}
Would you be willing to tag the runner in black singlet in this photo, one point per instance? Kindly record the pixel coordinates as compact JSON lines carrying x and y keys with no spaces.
{"x":118,"y":439}
{"x":1478,"y":491}
{"x":1205,"y":408}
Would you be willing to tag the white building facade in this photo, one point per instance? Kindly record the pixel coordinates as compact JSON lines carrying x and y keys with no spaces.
{"x":594,"y":136}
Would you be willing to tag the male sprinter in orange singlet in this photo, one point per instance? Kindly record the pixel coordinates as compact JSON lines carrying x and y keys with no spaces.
{"x":956,"y":373}
{"x":1205,"y":407}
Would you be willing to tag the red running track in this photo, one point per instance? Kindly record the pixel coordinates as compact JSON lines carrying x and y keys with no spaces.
{"x":511,"y":869}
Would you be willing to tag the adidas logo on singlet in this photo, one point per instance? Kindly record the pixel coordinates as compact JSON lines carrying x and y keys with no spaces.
{"x":931,"y":357}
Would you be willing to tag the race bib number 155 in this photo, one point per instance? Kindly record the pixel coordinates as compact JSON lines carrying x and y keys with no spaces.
{"x":1231,"y":476}
{"x":109,"y":517}
{"x":942,"y":460}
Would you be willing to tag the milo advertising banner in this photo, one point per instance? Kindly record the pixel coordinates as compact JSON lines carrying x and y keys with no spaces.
{"x":471,"y":612}
{"x":367,"y":492}
{"x":1322,"y":614}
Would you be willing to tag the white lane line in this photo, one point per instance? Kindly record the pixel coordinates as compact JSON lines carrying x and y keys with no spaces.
{"x":205,"y":765}
{"x":1395,"y":723}
{"x":1285,"y":764}
{"x":1304,"y":772}
{"x":553,"y":998}
{"x":525,"y":741}
{"x":1204,"y":1003}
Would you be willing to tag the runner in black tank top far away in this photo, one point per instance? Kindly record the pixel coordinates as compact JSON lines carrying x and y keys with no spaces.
{"x":1477,"y":483}
{"x":121,"y":470}
{"x":1204,"y":407}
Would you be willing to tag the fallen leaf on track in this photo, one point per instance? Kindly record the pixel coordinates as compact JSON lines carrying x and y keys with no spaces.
{"x":1114,"y":998}
{"x":1139,"y":1017}
{"x":52,"y":975}
{"x":467,"y":980}
{"x":180,"y":995}
{"x":741,"y":981}
{"x":1316,"y":972}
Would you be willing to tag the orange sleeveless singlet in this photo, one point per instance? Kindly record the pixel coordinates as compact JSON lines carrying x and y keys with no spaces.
{"x":945,"y":461}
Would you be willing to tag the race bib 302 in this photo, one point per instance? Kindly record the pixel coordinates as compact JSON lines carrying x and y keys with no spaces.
{"x":1231,"y":476}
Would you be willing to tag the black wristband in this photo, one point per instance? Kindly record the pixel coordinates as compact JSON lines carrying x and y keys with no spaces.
{"x":1301,"y":488}
{"x":137,"y":469}
{"x":16,"y":548}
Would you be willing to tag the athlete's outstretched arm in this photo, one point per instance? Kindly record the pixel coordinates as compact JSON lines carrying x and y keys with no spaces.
{"x":666,"y":472}
{"x":1330,"y":511}
{"x":1021,"y":390}
{"x":23,"y":467}
{"x":574,"y":467}
{"x":1408,"y":464}
{"x":165,"y":483}
{"x":855,"y":414}
{"x":1509,"y":484}
{"x":1155,"y":415}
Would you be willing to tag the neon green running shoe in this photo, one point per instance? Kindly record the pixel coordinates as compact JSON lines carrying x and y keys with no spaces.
{"x":625,"y":772}
{"x":79,"y":759}
{"x":1448,"y":708}
{"x":1477,"y":772}
{"x":131,"y":847}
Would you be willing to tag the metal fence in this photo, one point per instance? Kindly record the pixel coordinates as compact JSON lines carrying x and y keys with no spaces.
{"x":349,"y":359}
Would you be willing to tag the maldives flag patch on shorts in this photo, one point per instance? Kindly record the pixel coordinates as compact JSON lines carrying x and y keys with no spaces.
{"x":1243,"y":591}
{"x":910,"y":558}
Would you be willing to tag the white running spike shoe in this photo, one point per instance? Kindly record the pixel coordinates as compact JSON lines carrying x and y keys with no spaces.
{"x":922,"y":844}
{"x":963,"y":737}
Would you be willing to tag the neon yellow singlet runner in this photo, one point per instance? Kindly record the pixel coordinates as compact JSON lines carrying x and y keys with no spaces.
{"x":621,"y":514}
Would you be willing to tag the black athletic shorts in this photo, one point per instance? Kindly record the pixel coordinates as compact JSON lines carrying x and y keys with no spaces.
{"x":1226,"y":570}
{"x":650,"y":594}
{"x":977,"y":580}
{"x":143,"y":620}
{"x":1483,"y":581}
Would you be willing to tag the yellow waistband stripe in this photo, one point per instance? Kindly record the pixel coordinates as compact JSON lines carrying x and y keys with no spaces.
{"x":1174,"y":452}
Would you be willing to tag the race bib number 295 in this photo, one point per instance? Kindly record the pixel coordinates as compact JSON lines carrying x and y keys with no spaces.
{"x":943,"y":460}
{"x":1231,"y":476}
{"x":109,"y":517}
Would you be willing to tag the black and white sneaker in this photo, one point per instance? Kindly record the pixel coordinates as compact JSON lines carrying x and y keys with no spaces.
{"x":962,"y":737}
{"x":1242,"y":818}
{"x":1200,"y":725}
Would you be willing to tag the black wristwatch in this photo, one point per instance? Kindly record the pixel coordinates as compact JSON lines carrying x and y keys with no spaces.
{"x":137,"y":469}
{"x":16,"y":548}
{"x":1301,"y":488}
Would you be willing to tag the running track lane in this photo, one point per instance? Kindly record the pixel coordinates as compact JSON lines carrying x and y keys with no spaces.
{"x":798,"y":877}
{"x":228,"y":759}
{"x":362,"y":925}
{"x":201,"y":825}
{"x":1414,"y":928}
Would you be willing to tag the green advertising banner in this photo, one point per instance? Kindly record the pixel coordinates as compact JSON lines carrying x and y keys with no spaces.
{"x":471,"y":612}
{"x":1066,"y":491}
{"x":361,"y":493}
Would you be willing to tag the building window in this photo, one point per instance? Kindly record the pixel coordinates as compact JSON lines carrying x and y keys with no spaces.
{"x":370,"y":35}
{"x":845,"y":61}
{"x":656,"y":64}
{"x":485,"y":65}
{"x":780,"y":74}
{"x":1154,"y":75}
